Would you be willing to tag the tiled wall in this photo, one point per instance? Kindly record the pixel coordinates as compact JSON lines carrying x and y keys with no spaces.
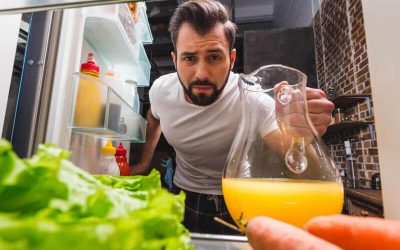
{"x":342,"y":68}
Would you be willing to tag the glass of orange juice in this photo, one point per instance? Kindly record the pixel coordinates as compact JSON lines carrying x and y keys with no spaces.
{"x":278,"y":166}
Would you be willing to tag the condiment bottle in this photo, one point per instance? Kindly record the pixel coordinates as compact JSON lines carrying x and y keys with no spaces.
{"x":122,"y":162}
{"x":89,"y":106}
{"x":107,"y":163}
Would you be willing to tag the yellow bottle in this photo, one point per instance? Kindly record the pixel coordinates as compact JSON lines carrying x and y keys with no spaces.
{"x":291,"y":201}
{"x":89,"y":106}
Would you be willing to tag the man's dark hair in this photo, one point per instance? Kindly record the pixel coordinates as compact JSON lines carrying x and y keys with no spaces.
{"x":202,"y":15}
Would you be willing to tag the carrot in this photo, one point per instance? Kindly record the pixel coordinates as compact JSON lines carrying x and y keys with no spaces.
{"x":351,"y":232}
{"x":266,"y":233}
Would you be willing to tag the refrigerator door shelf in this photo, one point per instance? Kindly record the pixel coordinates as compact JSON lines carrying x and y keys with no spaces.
{"x":110,"y":40}
{"x":143,"y":26}
{"x":98,"y":111}
{"x":144,"y":64}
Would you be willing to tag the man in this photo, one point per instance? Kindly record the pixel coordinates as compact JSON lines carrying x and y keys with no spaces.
{"x":198,"y":110}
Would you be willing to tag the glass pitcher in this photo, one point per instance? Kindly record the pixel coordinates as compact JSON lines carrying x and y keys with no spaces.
{"x":278,"y":166}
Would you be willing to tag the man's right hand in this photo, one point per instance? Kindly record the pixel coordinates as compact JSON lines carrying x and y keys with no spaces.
{"x":139,"y":169}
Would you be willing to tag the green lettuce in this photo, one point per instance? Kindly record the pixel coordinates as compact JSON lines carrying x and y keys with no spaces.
{"x":48,"y":203}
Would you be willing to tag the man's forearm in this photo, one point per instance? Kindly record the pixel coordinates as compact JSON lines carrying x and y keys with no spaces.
{"x":153,"y":133}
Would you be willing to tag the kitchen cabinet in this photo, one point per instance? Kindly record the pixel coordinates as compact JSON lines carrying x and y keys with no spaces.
{"x":364,"y":202}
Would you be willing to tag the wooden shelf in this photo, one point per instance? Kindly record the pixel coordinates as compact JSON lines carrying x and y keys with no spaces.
{"x":344,"y":101}
{"x":346,"y":126}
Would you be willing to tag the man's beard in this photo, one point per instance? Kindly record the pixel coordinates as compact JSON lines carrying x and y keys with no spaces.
{"x":203,"y":99}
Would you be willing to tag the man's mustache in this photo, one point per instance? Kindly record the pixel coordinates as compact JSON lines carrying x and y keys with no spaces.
{"x":199,"y":82}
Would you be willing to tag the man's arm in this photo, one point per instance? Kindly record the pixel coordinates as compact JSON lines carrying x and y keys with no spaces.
{"x":153,"y":133}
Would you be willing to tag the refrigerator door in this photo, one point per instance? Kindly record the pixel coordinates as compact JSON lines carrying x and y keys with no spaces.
{"x":27,"y":118}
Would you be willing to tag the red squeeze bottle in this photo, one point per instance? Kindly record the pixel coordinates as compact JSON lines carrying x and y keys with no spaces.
{"x":120,"y":156}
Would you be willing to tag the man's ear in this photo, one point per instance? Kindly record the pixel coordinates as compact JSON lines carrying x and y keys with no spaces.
{"x":233,"y":57}
{"x":173,"y":54}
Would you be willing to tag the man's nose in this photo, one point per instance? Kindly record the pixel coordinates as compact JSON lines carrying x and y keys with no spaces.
{"x":202,"y":70}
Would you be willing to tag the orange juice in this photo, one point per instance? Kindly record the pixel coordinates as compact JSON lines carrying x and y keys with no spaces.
{"x":291,"y":201}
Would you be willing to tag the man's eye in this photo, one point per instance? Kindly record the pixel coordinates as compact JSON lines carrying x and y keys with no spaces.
{"x":214,"y":57}
{"x":189,"y":58}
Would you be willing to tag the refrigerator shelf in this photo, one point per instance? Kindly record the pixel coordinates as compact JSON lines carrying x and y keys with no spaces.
{"x":113,"y":36}
{"x":98,"y":111}
{"x":143,"y":26}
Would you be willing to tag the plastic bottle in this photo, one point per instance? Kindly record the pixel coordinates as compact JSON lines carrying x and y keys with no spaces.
{"x":120,"y":156}
{"x":107,"y":163}
{"x":89,"y":107}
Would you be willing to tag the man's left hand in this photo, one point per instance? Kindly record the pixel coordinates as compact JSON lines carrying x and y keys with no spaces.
{"x":319,"y":109}
{"x":291,"y":114}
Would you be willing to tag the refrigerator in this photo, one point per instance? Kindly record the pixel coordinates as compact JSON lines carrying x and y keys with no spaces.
{"x":46,"y":103}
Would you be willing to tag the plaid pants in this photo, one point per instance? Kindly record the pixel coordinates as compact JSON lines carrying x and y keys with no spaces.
{"x":200,"y":210}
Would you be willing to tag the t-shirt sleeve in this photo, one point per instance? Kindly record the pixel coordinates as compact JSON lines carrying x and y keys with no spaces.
{"x":267,"y":118}
{"x":153,"y":98}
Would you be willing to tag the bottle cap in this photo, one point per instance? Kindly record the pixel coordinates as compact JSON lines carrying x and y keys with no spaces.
{"x":121,"y":151}
{"x":108,"y":148}
{"x":90,"y":66}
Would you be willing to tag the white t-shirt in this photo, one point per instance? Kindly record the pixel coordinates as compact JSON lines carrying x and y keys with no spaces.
{"x":201,"y":135}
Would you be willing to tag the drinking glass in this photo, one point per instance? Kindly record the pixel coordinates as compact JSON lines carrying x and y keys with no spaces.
{"x":278,"y":166}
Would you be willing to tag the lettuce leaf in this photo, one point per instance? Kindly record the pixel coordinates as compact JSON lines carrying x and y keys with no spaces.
{"x":48,"y":203}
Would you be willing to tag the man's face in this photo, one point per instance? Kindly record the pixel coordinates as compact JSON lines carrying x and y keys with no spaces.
{"x":203,"y":63}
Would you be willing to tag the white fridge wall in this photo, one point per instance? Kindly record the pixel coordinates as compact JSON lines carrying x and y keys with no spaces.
{"x":8,"y":46}
{"x":68,"y":60}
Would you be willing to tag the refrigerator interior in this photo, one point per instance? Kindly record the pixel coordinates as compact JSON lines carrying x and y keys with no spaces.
{"x":78,"y":38}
